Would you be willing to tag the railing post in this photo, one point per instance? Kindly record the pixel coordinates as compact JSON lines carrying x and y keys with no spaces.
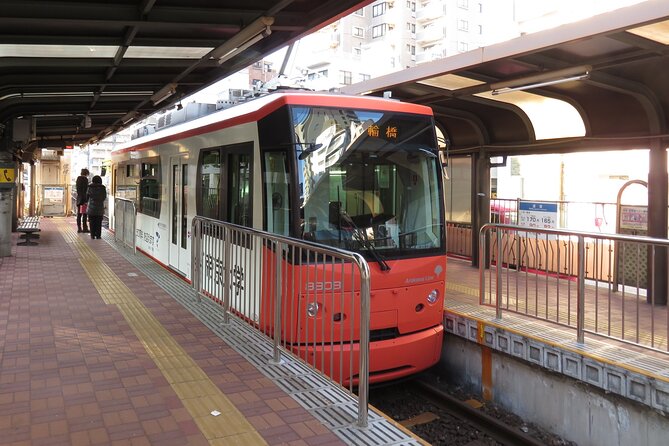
{"x":483,"y":260}
{"x":195,"y":256}
{"x":580,"y":308}
{"x":498,"y":276}
{"x":227,"y":247}
{"x":277,"y":302}
{"x":363,"y":373}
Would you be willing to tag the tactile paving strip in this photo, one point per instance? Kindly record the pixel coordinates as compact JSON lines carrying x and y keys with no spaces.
{"x":331,"y":405}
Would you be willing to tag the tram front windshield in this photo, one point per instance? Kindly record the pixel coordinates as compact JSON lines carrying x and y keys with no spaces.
{"x":368,"y":181}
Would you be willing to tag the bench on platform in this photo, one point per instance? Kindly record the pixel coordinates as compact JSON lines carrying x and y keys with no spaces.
{"x":29,"y":226}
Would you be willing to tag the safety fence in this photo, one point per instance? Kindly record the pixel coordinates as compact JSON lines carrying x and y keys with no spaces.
{"x":597,"y":217}
{"x":594,"y":283}
{"x":312,"y":301}
{"x":125,"y":213}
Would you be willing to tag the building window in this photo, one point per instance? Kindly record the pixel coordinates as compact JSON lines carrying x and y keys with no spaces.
{"x":365,"y":77}
{"x":323,"y":73}
{"x":480,"y":7}
{"x":360,"y":12}
{"x":345,"y":77}
{"x":480,"y":29}
{"x":464,"y":4}
{"x":358,"y":32}
{"x":357,"y":51}
{"x":463,"y":46}
{"x":378,"y":30}
{"x":379,"y":9}
{"x":411,"y":6}
{"x":463,"y":25}
{"x":411,"y":49}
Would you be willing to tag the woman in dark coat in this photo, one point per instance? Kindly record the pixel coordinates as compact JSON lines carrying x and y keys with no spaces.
{"x":82,"y":189}
{"x":97,"y":193}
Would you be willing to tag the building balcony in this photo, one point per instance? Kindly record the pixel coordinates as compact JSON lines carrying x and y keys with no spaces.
{"x":429,"y":55}
{"x":428,"y":35}
{"x":433,"y":11}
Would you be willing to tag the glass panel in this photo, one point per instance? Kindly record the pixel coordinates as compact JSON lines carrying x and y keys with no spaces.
{"x":277,"y":185}
{"x":458,"y":190}
{"x":239,"y":185}
{"x":369,"y":181}
{"x":175,"y":203}
{"x":210,"y":184}
{"x":184,"y":210}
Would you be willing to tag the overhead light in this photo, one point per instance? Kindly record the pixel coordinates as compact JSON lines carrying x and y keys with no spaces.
{"x":128,"y":116}
{"x":252,"y":34}
{"x":164,"y":93}
{"x":542,"y":80}
{"x":86,"y":122}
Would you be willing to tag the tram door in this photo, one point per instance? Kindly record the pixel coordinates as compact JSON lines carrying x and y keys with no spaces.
{"x":179,"y":258}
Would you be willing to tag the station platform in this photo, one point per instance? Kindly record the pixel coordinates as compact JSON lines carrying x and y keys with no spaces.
{"x":102,"y":346}
{"x":627,"y":370}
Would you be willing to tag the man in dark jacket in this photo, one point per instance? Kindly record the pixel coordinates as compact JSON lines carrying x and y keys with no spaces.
{"x":97,"y":193}
{"x":82,"y":189}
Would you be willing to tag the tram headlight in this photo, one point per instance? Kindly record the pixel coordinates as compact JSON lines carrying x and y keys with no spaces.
{"x":432,"y":297}
{"x":313,"y":308}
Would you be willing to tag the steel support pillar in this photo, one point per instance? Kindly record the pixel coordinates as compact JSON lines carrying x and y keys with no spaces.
{"x":657,"y":222}
{"x":480,"y":199}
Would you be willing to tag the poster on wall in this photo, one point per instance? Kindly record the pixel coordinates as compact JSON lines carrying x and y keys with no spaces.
{"x":538,"y":214}
{"x":634,"y":217}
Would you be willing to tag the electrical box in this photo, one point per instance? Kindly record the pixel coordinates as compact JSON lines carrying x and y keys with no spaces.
{"x":23,"y":130}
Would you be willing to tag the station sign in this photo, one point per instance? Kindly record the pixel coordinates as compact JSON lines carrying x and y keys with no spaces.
{"x":538,"y":214}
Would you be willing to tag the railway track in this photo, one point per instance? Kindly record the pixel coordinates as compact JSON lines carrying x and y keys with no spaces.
{"x":441,"y":419}
{"x":497,"y":429}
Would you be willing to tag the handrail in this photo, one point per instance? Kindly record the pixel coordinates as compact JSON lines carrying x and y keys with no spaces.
{"x":222,"y":247}
{"x":625,"y":259}
{"x":125,"y":222}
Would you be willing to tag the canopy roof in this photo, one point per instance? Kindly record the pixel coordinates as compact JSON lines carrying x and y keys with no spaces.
{"x":85,"y":68}
{"x":596,"y":84}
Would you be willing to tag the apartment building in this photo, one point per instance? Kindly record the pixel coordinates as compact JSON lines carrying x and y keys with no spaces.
{"x":392,"y":35}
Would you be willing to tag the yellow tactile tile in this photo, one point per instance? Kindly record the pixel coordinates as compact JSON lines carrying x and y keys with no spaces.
{"x":199,"y":395}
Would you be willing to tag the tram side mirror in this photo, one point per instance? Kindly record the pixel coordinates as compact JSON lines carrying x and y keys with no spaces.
{"x":309,"y":149}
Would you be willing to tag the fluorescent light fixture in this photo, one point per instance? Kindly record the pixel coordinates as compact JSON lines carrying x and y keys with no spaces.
{"x":164,"y":93}
{"x":128,"y":116}
{"x":245,"y":38}
{"x":542,"y":80}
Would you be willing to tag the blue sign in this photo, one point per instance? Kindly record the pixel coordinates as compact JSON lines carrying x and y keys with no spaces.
{"x":536,"y":214}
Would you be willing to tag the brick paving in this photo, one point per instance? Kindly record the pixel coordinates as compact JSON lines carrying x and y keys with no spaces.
{"x":73,"y":371}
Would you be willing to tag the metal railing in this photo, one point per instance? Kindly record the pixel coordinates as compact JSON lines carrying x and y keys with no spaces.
{"x":594,"y":283}
{"x":125,"y":221}
{"x":313,"y":301}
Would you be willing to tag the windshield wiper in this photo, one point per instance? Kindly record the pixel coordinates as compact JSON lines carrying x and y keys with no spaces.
{"x":365,"y":243}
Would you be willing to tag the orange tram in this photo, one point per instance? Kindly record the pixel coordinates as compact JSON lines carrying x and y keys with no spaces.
{"x":358,"y":173}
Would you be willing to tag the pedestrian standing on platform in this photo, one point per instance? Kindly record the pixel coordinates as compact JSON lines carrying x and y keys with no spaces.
{"x":97,"y":193}
{"x":82,"y":190}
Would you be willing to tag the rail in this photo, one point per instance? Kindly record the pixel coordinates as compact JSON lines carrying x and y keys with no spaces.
{"x":594,"y":283}
{"x":125,"y":222}
{"x":312,"y":300}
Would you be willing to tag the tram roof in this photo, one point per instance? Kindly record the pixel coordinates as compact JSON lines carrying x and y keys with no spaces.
{"x":257,"y":108}
{"x":597,"y":84}
{"x":86,"y":68}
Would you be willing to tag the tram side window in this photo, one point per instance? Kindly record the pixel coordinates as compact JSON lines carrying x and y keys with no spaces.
{"x":239,"y":187}
{"x":126,"y":181}
{"x":210,"y":184}
{"x":277,"y":185}
{"x":149,"y":187}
